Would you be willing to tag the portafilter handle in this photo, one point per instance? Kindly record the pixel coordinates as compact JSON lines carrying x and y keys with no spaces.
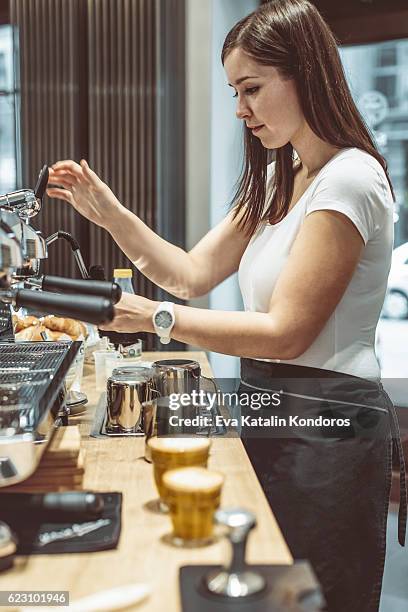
{"x":235,"y":579}
{"x":88,"y":308}
{"x":105,"y":289}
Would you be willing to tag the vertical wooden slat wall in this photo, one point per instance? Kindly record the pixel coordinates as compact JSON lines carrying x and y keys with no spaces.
{"x":88,"y":83}
{"x":122,"y":116}
{"x":49,"y":89}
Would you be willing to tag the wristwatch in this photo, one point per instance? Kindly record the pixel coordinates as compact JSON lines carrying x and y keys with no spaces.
{"x":163,"y":321}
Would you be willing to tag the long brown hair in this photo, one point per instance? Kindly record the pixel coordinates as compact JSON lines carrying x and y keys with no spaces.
{"x":292,"y":36}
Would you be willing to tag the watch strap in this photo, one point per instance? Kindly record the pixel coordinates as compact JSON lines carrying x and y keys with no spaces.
{"x":164,"y":333}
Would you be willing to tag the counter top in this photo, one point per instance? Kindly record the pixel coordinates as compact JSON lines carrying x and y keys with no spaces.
{"x":117,"y":464}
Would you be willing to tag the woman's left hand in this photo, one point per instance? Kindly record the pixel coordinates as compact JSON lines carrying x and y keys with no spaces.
{"x":133,"y":313}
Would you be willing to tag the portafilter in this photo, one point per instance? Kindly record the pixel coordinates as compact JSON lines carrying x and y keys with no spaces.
{"x":91,"y":308}
{"x":16,"y":209}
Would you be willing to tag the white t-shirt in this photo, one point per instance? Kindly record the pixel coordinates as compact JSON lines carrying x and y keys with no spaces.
{"x":353,"y":183}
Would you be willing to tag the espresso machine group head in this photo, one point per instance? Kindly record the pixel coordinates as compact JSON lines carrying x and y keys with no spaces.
{"x":24,"y":249}
{"x":26,"y":202}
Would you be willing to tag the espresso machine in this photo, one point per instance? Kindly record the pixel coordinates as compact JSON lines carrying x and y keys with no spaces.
{"x":25,"y":286}
{"x":32,"y":400}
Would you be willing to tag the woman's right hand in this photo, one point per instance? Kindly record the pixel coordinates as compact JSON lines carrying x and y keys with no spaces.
{"x":81,"y":187}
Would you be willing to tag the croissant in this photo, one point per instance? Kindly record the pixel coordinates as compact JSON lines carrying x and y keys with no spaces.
{"x":68,"y":326}
{"x":30,"y":334}
{"x":38,"y":330}
{"x":25,"y":334}
{"x":24,"y":322}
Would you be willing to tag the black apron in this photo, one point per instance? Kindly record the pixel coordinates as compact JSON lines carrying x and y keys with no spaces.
{"x":328,"y":487}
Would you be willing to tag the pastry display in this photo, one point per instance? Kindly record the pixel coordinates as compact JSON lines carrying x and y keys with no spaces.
{"x":32,"y":329}
{"x":31,"y":333}
{"x":56,"y":336}
{"x":68,"y":326}
{"x":24,"y":322}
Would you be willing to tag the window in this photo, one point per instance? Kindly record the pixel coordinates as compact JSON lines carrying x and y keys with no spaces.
{"x":387,"y":56}
{"x":387,"y":84}
{"x":378,"y":77}
{"x":9,"y":113}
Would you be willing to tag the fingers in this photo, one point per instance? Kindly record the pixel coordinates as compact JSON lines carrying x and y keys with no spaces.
{"x":62,"y":181}
{"x":56,"y":171}
{"x":89,"y":173}
{"x":81,"y":172}
{"x":61,"y":194}
{"x":69,"y":169}
{"x":57,"y":176}
{"x":67,"y":164}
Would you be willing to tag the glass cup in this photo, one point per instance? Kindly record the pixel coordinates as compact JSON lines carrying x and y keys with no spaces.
{"x":100,"y":367}
{"x":112,"y":361}
{"x":73,"y":378}
{"x":168,"y":453}
{"x":192,"y":495}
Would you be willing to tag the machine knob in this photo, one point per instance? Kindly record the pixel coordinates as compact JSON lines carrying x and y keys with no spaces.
{"x":235,"y":579}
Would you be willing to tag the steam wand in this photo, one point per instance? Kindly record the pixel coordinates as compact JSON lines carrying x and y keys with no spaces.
{"x":75,"y":249}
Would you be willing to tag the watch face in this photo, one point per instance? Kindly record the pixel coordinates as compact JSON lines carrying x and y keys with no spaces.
{"x":163,"y":319}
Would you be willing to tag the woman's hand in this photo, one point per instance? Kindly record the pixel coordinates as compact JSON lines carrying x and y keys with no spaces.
{"x":133,"y":313}
{"x":83,"y":189}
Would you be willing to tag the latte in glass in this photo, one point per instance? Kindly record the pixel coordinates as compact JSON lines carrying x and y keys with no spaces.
{"x":192,"y":495}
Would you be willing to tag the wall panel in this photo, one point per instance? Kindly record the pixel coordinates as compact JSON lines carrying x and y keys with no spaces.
{"x":49,"y":68}
{"x":105,"y":80}
{"x":88,"y":89}
{"x":122,"y":116}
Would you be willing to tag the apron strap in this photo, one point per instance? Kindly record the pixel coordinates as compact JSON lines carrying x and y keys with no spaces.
{"x":397,"y":448}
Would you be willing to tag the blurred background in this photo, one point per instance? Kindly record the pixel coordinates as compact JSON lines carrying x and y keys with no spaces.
{"x":137,"y":88}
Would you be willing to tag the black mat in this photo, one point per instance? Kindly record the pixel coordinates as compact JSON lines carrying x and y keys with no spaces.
{"x":290,"y":588}
{"x":35,"y":536}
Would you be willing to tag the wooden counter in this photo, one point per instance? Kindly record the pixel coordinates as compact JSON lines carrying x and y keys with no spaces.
{"x":116,"y":464}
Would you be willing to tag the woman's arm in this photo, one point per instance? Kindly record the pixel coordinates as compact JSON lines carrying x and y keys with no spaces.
{"x":319,"y":268}
{"x":182,"y":274}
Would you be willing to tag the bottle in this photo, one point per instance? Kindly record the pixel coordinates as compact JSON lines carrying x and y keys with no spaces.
{"x":123,"y":277}
{"x":128,"y":344}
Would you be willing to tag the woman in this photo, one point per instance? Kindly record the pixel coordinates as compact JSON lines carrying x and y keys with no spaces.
{"x":311,"y":238}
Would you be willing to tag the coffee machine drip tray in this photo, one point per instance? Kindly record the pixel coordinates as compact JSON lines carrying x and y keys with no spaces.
{"x":99,"y":427}
{"x":31,"y":379}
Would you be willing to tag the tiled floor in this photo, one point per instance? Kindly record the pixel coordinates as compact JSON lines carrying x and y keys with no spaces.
{"x":395,"y":585}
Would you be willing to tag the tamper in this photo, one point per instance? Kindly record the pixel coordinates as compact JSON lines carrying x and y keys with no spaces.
{"x":235,"y":579}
